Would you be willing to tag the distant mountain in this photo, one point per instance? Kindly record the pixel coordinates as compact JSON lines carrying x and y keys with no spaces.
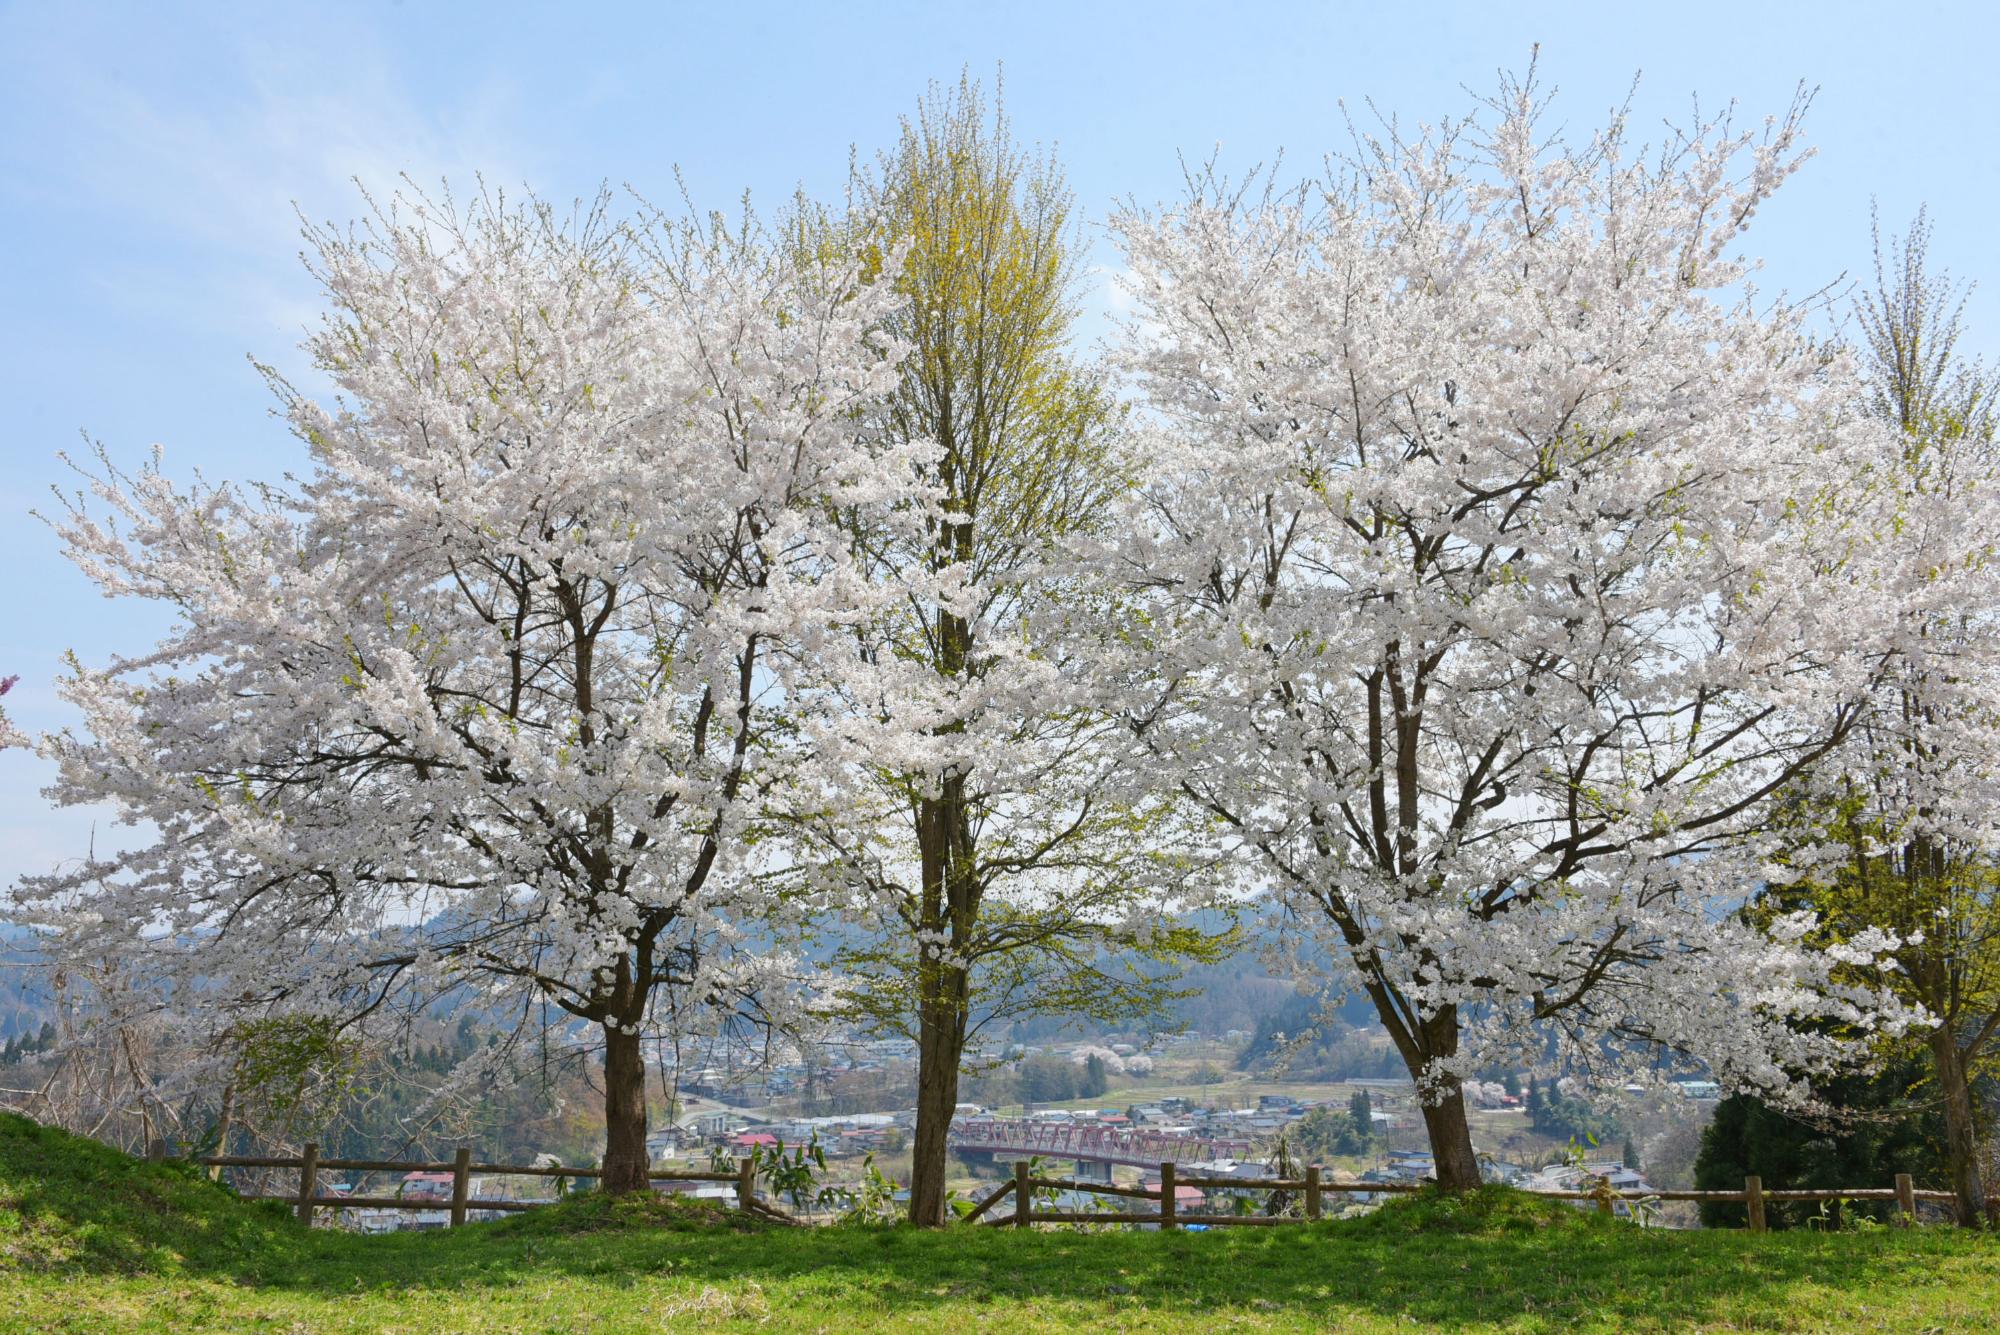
{"x":24,"y":998}
{"x":1240,"y":994}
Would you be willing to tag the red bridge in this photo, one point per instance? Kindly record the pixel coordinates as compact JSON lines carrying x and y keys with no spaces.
{"x":1132,"y":1146}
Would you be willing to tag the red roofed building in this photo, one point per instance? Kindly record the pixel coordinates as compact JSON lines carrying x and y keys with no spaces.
{"x":426,"y":1187}
{"x":1187,"y":1200}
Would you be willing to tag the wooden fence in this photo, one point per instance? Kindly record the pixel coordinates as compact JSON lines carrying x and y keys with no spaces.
{"x":1313,"y":1190}
{"x":1165,"y":1212}
{"x":308,"y":1198}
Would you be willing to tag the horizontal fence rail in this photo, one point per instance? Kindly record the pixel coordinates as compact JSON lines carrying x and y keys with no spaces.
{"x":1312,"y":1189}
{"x":309,"y":1199}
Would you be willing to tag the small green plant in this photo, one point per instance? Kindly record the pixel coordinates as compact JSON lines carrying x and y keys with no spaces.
{"x":1285,"y":1166}
{"x":1103,"y":1205}
{"x":795,"y":1177}
{"x":1039,"y":1167}
{"x":1837,"y":1215}
{"x":1577,"y":1151}
{"x":872,"y":1202}
{"x":561,"y":1183}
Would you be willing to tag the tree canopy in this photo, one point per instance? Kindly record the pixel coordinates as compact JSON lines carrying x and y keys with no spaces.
{"x":1505,"y":560}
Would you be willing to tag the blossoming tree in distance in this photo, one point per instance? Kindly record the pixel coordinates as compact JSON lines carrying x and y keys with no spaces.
{"x":492,"y":697}
{"x":8,"y":735}
{"x":1507,"y":567}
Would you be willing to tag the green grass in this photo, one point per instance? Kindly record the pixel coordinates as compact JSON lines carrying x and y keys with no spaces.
{"x":92,"y":1241}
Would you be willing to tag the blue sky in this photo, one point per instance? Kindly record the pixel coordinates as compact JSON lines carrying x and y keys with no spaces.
{"x":151,"y":157}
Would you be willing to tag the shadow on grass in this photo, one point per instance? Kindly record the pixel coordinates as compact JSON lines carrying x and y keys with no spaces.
{"x":74,"y":1205}
{"x":1562,"y":1268}
{"x":69,"y":1207}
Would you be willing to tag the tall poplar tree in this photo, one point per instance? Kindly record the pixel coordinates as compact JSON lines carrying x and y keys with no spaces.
{"x":1921,"y":817}
{"x":1013,"y":864}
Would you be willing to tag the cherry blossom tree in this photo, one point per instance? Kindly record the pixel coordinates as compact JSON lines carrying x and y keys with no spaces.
{"x":492,"y":699}
{"x":1503,"y":574}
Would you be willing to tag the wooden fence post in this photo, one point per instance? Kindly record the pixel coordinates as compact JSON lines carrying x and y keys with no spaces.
{"x":461,"y":1183}
{"x":1906,"y":1199}
{"x":308,"y":1183}
{"x":1024,"y":1195}
{"x":1312,"y":1191}
{"x":1167,"y":1202}
{"x":746,"y":1183}
{"x":1753,"y":1202}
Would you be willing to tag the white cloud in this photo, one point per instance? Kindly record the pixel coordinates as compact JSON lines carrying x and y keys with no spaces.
{"x":179,"y":148}
{"x":222,"y":169}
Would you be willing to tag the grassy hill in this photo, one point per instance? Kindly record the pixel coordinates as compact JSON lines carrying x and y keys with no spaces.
{"x":91,"y":1240}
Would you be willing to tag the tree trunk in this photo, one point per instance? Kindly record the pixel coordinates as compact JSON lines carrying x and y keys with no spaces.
{"x":1451,"y":1143}
{"x":1961,"y":1141}
{"x":940,"y":1046}
{"x":624,"y":1163}
{"x":1435,"y":1037}
{"x":222,"y":1128}
{"x":950,"y":909}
